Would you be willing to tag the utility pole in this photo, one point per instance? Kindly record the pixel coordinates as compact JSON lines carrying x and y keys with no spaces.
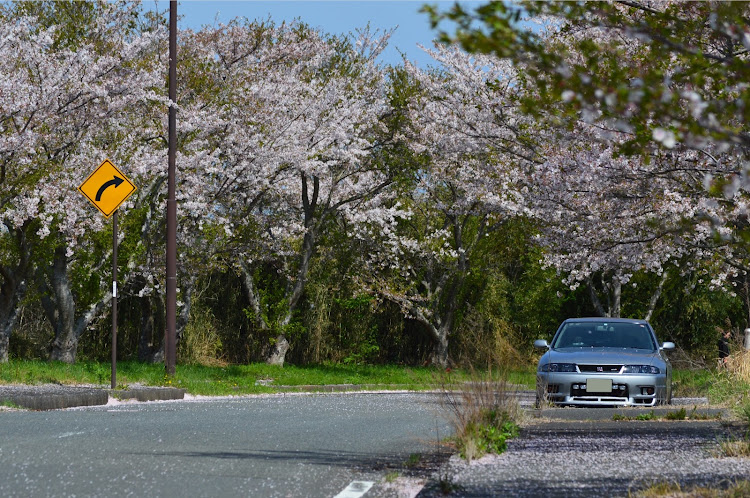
{"x":170,"y":338}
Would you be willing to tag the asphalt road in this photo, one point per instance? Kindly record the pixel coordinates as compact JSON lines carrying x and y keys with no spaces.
{"x":296,"y":445}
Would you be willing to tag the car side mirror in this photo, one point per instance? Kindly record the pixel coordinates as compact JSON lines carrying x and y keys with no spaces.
{"x":541,"y":344}
{"x":667,"y":346}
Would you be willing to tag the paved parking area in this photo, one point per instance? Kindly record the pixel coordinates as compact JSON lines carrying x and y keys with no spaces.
{"x":557,"y":457}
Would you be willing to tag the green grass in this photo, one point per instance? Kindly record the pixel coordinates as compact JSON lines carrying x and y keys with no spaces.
{"x":241,"y":379}
{"x":692,"y":383}
{"x":643,"y":416}
{"x":216,"y":380}
{"x":673,"y":415}
{"x":525,"y":378}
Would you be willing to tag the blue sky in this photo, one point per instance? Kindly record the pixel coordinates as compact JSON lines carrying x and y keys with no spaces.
{"x":332,"y":16}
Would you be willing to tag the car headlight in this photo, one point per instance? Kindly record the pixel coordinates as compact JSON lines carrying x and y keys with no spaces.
{"x":641,"y":369}
{"x":557,"y":367}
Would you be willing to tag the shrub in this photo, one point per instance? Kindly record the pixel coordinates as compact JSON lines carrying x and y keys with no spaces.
{"x":200,"y":343}
{"x":484,"y":415}
{"x":487,"y":434}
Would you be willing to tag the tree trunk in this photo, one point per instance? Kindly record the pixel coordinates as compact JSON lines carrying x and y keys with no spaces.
{"x":152,"y":322}
{"x":594,"y":297}
{"x":655,"y":297}
{"x":616,"y":296}
{"x":439,"y":357}
{"x":277,"y":351}
{"x":252,"y":296}
{"x":613,"y":293}
{"x":274,"y":354}
{"x":4,"y":344}
{"x":12,"y":290}
{"x":146,"y":335}
{"x":60,"y":307}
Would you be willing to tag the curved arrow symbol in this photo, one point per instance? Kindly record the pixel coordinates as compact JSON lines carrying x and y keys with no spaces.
{"x":116,"y":181}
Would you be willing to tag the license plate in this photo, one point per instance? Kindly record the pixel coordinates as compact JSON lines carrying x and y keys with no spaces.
{"x":598,"y":385}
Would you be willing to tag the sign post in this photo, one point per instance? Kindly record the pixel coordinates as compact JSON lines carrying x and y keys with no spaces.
{"x":106,"y":188}
{"x":113,"y":379}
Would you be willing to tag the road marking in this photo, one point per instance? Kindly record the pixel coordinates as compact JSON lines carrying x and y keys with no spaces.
{"x":355,"y":489}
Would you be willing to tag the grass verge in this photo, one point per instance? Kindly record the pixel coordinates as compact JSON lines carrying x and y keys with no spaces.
{"x":222,"y":380}
{"x":692,"y":383}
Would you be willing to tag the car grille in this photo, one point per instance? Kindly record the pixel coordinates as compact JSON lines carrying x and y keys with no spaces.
{"x":618,"y":391}
{"x":599,"y":368}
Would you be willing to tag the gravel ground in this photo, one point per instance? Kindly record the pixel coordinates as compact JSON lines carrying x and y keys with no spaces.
{"x":602,"y":458}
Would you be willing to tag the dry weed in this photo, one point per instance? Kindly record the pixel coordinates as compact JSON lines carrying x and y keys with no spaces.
{"x":484,"y":412}
{"x":738,"y":365}
{"x":200,"y":343}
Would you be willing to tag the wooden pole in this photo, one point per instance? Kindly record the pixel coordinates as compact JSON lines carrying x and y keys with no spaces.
{"x":171,"y":319}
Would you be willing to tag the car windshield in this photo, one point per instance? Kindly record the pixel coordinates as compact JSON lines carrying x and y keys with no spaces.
{"x":604,"y":335}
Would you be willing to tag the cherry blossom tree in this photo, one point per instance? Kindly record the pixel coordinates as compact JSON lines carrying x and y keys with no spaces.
{"x":17,"y":138}
{"x":662,"y":83}
{"x":607,"y":216}
{"x":666,"y":74}
{"x":681,"y":79}
{"x":474,"y":154}
{"x":290,"y":149}
{"x":75,"y":108}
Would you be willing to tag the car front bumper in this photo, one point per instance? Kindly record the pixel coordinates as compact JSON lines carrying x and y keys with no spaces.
{"x":588,"y":389}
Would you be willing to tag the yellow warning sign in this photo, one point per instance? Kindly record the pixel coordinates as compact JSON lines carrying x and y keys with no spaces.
{"x":106,"y":188}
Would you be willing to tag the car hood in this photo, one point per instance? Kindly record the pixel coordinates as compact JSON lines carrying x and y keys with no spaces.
{"x":602,"y":356}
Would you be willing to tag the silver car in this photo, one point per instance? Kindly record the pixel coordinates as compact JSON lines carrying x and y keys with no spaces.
{"x":604,"y":362}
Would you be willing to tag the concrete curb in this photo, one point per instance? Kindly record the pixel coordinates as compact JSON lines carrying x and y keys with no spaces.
{"x":51,"y":397}
{"x":631,"y":413}
{"x":56,"y":397}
